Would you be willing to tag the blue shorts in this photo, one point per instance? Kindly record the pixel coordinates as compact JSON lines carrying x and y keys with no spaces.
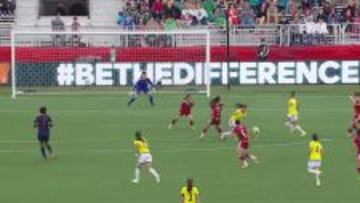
{"x":138,"y":92}
{"x":43,"y":138}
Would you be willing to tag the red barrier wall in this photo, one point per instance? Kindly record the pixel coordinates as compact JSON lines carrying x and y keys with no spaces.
{"x":189,"y":54}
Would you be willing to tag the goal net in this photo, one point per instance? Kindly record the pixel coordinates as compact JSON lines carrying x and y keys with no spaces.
{"x":109,"y":62}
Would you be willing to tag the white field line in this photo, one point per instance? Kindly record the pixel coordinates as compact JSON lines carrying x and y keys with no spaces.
{"x":332,"y":110}
{"x":178,"y":150}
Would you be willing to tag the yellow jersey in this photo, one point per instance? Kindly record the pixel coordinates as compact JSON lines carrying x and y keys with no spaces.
{"x":315,"y":151}
{"x":238,"y":115}
{"x":293,"y":107}
{"x":190,"y":197}
{"x":141,"y":147}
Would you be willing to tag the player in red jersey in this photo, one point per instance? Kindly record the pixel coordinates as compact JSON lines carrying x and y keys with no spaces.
{"x":357,"y":146}
{"x":216,"y":108}
{"x":355,"y":98}
{"x":184,"y":112}
{"x":240,"y":131}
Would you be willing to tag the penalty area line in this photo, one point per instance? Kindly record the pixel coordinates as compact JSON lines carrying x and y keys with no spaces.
{"x":179,"y":150}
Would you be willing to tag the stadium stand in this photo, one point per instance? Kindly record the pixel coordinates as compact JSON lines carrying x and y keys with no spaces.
{"x":281,"y":22}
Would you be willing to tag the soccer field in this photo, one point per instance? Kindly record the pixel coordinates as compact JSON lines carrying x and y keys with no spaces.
{"x":93,"y":137}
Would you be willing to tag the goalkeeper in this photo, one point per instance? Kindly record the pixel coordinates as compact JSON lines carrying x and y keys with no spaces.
{"x":145,"y":86}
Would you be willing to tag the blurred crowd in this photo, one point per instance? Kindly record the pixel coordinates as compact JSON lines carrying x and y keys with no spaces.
{"x":181,"y":13}
{"x":7,"y":8}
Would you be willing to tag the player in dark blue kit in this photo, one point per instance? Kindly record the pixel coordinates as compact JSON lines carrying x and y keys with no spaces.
{"x":43,"y":123}
{"x":143,"y":86}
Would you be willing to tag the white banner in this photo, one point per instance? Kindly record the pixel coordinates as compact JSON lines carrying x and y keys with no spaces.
{"x":182,"y":73}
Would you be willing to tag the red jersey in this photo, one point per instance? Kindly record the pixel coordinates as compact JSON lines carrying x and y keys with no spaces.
{"x":241,"y":132}
{"x":185,"y":107}
{"x":357,"y":143}
{"x":216,"y":111}
{"x":356,"y":106}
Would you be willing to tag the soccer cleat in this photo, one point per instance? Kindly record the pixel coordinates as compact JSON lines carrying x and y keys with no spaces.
{"x":245,"y":164}
{"x":222,"y":137}
{"x":158,"y":180}
{"x":202,"y":136}
{"x":303,"y":134}
{"x":318,"y":182}
{"x":135,"y":181}
{"x":170,"y":126}
{"x":52,"y":157}
{"x":254,"y":159}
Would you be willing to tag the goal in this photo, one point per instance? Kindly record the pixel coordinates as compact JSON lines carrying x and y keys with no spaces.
{"x":109,"y":62}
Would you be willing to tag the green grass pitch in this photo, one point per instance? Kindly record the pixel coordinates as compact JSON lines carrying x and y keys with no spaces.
{"x":93,"y":140}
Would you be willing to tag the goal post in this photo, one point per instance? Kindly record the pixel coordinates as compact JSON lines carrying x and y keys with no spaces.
{"x":92,"y":62}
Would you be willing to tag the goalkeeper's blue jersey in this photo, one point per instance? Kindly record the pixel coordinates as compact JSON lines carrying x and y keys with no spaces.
{"x":143,"y":85}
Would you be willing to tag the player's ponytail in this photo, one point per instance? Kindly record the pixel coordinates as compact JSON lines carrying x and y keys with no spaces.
{"x":214,"y":100}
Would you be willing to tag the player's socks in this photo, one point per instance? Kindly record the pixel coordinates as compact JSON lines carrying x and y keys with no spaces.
{"x":151,"y":100}
{"x":203,"y":135}
{"x":48,"y":147}
{"x":318,"y":182}
{"x":171,"y":125}
{"x":43,"y":153}
{"x":192,"y":124}
{"x":254,"y":158}
{"x":300,"y":130}
{"x":227,"y":133}
{"x":137,"y":175}
{"x":131,"y":101}
{"x":155,"y":174}
{"x":290,"y":126}
{"x":245,"y":164}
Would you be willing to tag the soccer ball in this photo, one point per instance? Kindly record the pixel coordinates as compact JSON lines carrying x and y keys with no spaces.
{"x":255,"y":130}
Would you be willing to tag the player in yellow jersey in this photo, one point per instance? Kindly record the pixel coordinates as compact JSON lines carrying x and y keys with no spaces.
{"x":144,"y":158}
{"x":293,"y":115}
{"x":189,"y":193}
{"x":316,"y":153}
{"x":239,"y":114}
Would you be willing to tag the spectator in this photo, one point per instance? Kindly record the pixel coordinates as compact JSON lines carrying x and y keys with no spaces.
{"x":256,"y":6}
{"x":282,"y":5}
{"x":247,"y":15}
{"x":310,"y":29}
{"x":121,"y":18}
{"x":157,"y":10}
{"x":210,"y":6}
{"x":219,"y":18}
{"x":201,"y":14}
{"x":144,"y":12}
{"x":321,"y":15}
{"x":129,"y":23}
{"x":189,"y":14}
{"x":328,"y":12}
{"x":58,"y":25}
{"x":272,"y":13}
{"x":321,"y":31}
{"x":75,"y":27}
{"x":233,"y":15}
{"x":171,"y":11}
{"x":351,"y":11}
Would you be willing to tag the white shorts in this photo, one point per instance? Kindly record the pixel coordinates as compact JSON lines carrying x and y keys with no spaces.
{"x":314,"y":164}
{"x":293,"y":118}
{"x":231,"y":123}
{"x":144,"y":158}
